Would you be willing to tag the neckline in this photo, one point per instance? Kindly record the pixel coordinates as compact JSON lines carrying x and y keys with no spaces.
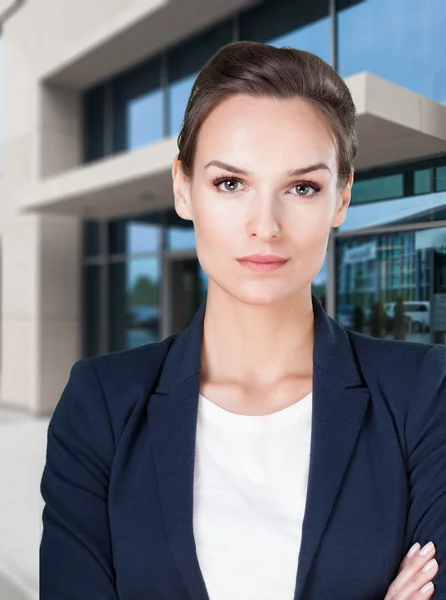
{"x":287,"y":415}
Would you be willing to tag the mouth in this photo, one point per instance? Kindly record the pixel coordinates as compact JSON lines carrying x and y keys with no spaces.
{"x":262,"y":263}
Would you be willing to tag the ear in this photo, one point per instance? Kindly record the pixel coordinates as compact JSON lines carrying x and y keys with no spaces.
{"x":181,"y":191}
{"x":343,"y":201}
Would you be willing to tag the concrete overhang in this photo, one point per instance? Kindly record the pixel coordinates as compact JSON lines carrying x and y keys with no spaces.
{"x":132,"y":182}
{"x":143,"y":29}
{"x":395,"y":125}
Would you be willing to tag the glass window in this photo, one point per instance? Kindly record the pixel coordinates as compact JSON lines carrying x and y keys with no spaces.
{"x":402,"y":192}
{"x":305,"y":26}
{"x":440,"y":179}
{"x":402,"y":41}
{"x":180,"y":234}
{"x":92,"y":238}
{"x":387,"y":285}
{"x":92,"y":310}
{"x":422,"y":181}
{"x":134,"y":303}
{"x":138,"y":107}
{"x":184,"y":62}
{"x":135,"y":235}
{"x":378,"y":188}
{"x":94,"y":123}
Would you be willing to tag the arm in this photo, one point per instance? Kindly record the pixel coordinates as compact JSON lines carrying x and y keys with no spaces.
{"x":426,"y":461}
{"x":76,"y":560}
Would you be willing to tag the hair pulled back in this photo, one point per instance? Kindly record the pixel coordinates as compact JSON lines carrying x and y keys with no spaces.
{"x":283,"y":73}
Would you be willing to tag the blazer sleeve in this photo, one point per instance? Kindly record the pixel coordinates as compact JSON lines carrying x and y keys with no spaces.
{"x":76,"y":560}
{"x":426,"y":452}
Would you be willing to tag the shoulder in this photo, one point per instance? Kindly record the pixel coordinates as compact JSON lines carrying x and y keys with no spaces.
{"x":409,"y":361}
{"x":104,"y":390}
{"x":136,"y":364}
{"x":117,"y":370}
{"x":376,"y":350}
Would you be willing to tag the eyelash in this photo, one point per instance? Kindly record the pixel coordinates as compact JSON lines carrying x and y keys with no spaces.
{"x":311,"y":184}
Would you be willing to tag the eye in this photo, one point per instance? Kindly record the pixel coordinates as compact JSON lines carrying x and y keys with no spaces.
{"x":305,"y":189}
{"x":227,"y":184}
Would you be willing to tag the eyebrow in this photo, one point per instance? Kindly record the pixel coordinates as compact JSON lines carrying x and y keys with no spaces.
{"x":291,"y":173}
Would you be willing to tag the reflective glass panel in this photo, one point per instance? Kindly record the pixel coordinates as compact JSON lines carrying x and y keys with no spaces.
{"x":138,"y":107}
{"x":393,"y":285}
{"x":422,"y":181}
{"x":135,"y":235}
{"x":134,"y":314}
{"x":403,"y":41}
{"x":180,"y":234}
{"x":440,"y":179}
{"x":305,"y":26}
{"x":378,"y":188}
{"x":184,"y":62}
{"x":92,"y":310}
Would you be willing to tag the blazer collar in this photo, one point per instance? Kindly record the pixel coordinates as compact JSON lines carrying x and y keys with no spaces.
{"x":339,"y":406}
{"x":332,"y":352}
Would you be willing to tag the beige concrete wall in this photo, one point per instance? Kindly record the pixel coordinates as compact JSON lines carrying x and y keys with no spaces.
{"x":53,"y":25}
{"x":40,"y":304}
{"x":59,"y":130}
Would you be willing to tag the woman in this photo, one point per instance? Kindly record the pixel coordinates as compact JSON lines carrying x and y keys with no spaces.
{"x":182,"y":470}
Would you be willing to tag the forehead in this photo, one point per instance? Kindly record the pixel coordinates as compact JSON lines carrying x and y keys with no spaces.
{"x":282,"y":133}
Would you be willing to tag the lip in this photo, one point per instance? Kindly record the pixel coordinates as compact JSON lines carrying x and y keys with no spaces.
{"x":262,"y":262}
{"x":263,"y":258}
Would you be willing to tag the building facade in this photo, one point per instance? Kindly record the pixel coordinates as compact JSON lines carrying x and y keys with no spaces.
{"x":93,"y":256}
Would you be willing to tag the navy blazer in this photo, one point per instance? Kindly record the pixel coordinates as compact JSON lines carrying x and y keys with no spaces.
{"x":118,"y":480}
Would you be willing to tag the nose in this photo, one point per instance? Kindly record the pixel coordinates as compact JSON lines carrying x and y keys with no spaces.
{"x":263,"y":220}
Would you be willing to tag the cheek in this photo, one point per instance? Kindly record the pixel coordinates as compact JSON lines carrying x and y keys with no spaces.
{"x":215,"y":222}
{"x":214,"y":237}
{"x":309,"y":226}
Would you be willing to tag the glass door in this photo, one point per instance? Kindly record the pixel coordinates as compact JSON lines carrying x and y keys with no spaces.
{"x":186,"y":288}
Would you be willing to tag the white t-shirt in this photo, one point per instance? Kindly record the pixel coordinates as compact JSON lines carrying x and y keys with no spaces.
{"x":250,"y":486}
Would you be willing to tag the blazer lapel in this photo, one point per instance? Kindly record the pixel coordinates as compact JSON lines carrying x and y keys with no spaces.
{"x":337,"y":418}
{"x":339,"y":406}
{"x":172,"y":414}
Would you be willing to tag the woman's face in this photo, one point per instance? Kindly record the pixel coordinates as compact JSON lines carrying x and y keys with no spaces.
{"x":263,"y":197}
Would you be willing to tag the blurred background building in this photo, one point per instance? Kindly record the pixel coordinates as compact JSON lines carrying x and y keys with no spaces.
{"x":93,"y":256}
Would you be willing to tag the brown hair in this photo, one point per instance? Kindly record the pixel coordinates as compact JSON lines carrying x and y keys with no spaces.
{"x":262,"y":70}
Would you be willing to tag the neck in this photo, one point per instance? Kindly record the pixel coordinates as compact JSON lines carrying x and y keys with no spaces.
{"x":258,"y":344}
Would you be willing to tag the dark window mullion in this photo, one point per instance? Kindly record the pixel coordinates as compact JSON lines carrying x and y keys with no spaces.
{"x":108,"y":119}
{"x":433,"y":186}
{"x":408,"y":183}
{"x":165,"y":92}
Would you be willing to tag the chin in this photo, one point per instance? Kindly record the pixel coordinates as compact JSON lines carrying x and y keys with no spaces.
{"x":261,"y":294}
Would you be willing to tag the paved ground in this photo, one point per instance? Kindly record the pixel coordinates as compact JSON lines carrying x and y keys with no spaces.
{"x":22,"y":457}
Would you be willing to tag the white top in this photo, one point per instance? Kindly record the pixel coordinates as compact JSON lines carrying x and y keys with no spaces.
{"x":250,"y":486}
